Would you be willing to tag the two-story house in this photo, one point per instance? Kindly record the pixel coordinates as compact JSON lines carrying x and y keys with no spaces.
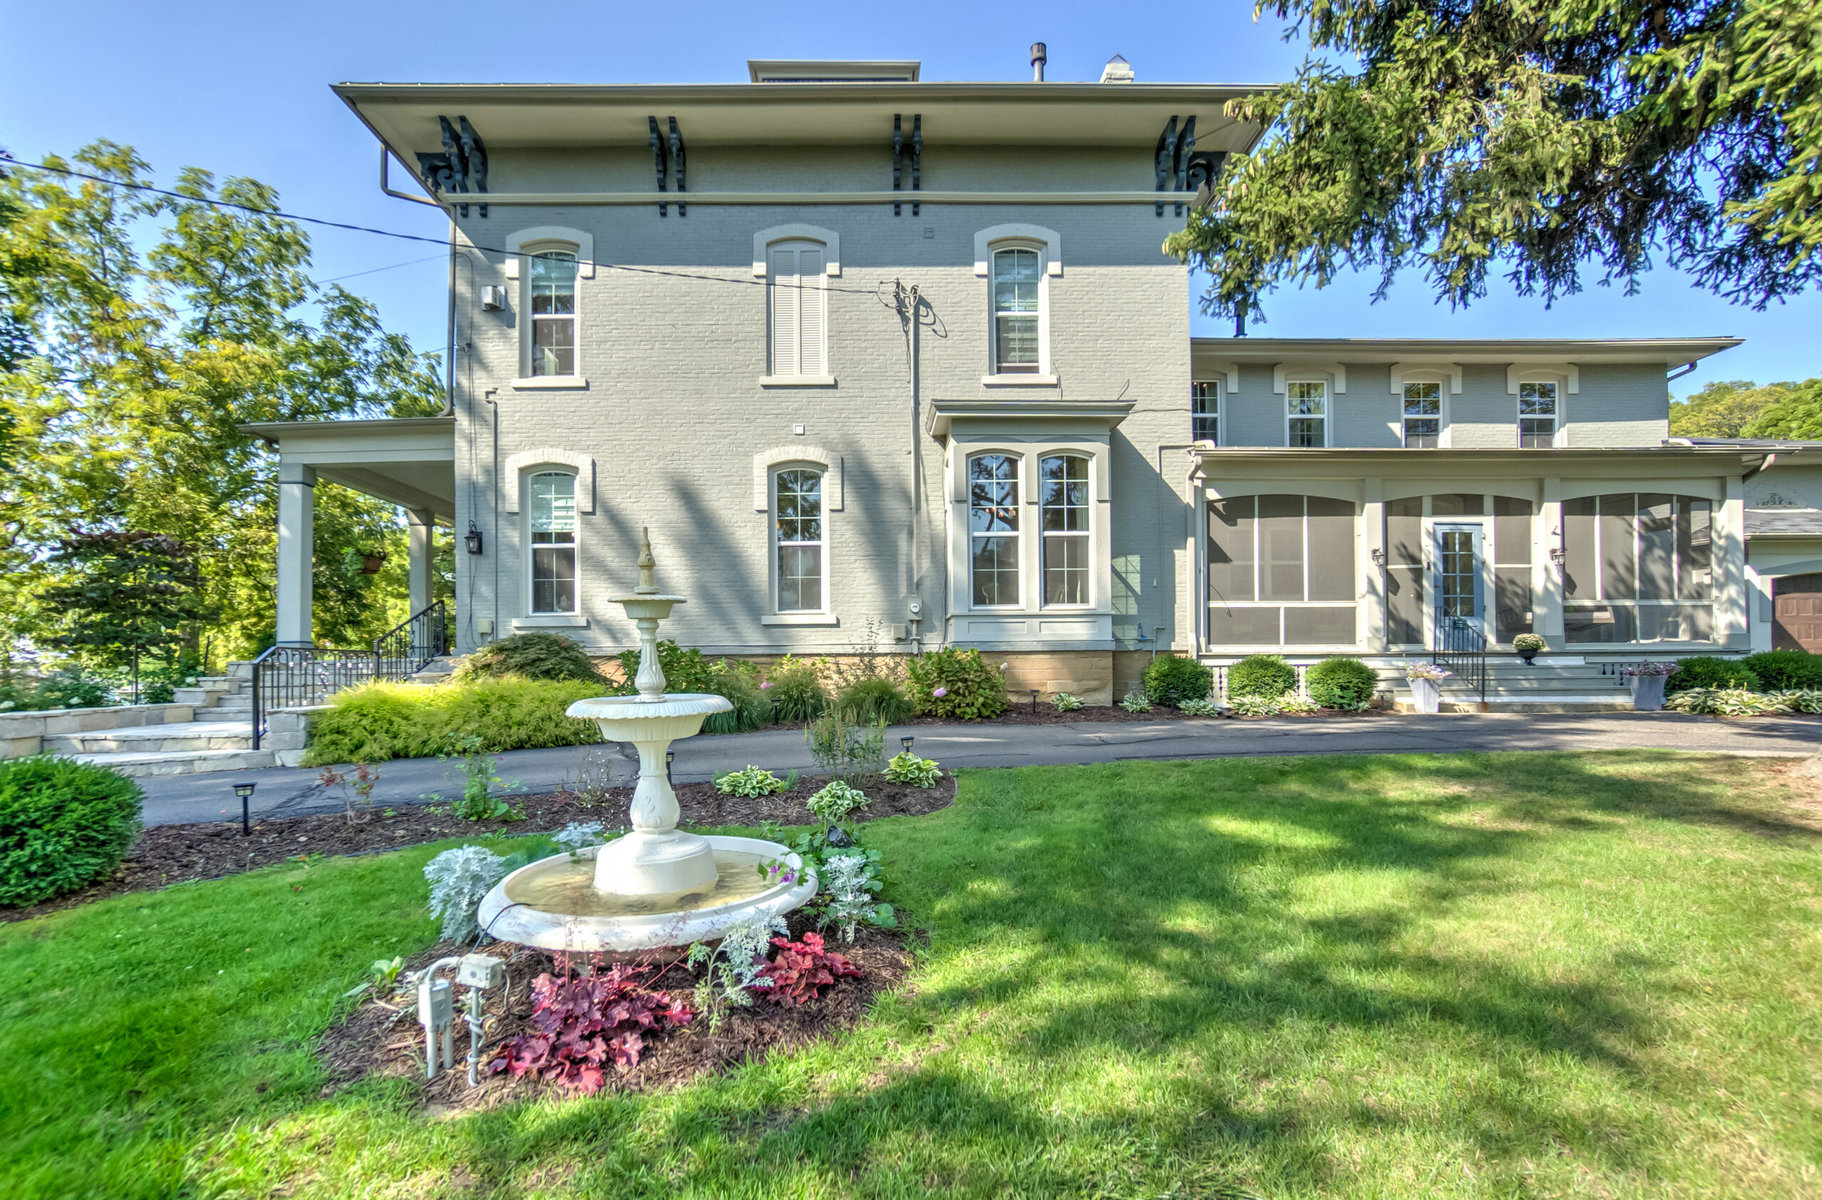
{"x":873,"y":355}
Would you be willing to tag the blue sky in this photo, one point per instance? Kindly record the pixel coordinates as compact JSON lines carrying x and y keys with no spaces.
{"x":243,"y":89}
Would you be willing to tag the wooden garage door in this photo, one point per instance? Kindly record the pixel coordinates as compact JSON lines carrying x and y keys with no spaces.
{"x":1796,"y":609}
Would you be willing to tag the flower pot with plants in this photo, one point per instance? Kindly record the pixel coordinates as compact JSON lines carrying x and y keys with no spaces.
{"x":1647,"y":680}
{"x":1527,"y":645}
{"x":1426,"y":685}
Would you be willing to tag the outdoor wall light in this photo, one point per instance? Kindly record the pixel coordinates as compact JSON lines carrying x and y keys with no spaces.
{"x":1378,"y":555}
{"x":472,"y":539}
{"x":1558,"y":555}
{"x":245,"y":792}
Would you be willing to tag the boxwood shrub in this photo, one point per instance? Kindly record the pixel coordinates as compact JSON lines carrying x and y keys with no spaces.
{"x":1172,"y":680}
{"x":1343,"y":683}
{"x":1785,"y":670}
{"x":63,"y":825}
{"x":529,"y":656}
{"x":972,"y":689}
{"x":1707,"y":671}
{"x":1261,"y":675}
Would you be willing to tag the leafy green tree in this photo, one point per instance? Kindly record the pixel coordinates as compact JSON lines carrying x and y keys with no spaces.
{"x":1797,"y":416}
{"x":1544,"y":138}
{"x":1725,"y":408}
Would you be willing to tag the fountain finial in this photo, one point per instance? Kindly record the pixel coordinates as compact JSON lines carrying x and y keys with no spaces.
{"x":648,"y":583}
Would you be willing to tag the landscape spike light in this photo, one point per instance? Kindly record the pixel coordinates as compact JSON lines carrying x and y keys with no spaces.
{"x":245,"y":792}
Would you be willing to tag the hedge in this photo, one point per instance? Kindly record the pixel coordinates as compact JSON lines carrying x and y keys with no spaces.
{"x":63,"y":825}
{"x":381,"y":721}
{"x":1707,"y":671}
{"x":530,"y":656}
{"x":1785,"y":670}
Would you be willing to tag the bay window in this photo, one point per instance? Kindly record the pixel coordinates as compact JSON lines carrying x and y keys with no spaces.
{"x":1063,"y":515}
{"x":993,"y":530}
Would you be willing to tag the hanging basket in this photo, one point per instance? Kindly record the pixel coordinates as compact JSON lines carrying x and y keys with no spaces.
{"x":371,"y":563}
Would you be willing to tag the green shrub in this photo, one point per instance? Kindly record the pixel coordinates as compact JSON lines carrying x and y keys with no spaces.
{"x":795,"y":692}
{"x":1135,"y":702}
{"x":1727,"y":702}
{"x":875,"y":699}
{"x":1172,"y":680}
{"x":529,"y":656}
{"x":972,"y":690}
{"x":749,"y":782}
{"x":1261,"y":675}
{"x":63,"y":825}
{"x":684,"y":670}
{"x":752,"y":709}
{"x":1344,"y":683}
{"x":906,"y":767}
{"x":381,"y":721}
{"x":1707,"y":672}
{"x":1785,"y":670}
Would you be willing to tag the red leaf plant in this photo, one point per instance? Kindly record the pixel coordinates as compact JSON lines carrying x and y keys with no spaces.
{"x":801,"y":969}
{"x":581,"y":1026}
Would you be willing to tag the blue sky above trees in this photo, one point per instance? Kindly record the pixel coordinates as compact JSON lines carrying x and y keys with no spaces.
{"x":243,"y":89}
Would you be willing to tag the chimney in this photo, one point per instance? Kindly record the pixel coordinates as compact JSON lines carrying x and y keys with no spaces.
{"x":1117,"y":70}
{"x":1038,"y":58}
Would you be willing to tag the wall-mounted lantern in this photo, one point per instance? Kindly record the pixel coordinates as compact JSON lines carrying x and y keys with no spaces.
{"x":472,"y":539}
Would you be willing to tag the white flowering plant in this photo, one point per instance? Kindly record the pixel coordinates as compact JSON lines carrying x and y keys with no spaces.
{"x":459,"y":880}
{"x":1425,"y":670}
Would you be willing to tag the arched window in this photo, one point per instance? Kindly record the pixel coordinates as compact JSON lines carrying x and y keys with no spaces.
{"x":993,"y":530}
{"x":1018,"y":273}
{"x":551,"y":522}
{"x":795,"y":278}
{"x":1063,"y":513}
{"x":799,"y":540}
{"x":552,"y":304}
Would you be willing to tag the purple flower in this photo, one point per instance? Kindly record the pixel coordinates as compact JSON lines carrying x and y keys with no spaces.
{"x":939,"y":693}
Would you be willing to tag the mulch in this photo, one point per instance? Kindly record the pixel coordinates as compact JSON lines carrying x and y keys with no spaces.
{"x":1046,"y":714}
{"x":381,"y":1037}
{"x":169,"y":854}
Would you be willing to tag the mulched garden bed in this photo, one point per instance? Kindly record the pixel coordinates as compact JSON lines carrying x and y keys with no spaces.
{"x":167,"y":854}
{"x":381,"y":1037}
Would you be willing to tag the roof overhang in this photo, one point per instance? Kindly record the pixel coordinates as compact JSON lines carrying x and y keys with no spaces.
{"x":408,"y":461}
{"x":1047,"y":416}
{"x":1209,"y":462}
{"x":1670,"y":352}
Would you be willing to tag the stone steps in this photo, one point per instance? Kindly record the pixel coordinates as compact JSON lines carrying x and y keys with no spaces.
{"x":156,"y":739}
{"x":182,"y":762}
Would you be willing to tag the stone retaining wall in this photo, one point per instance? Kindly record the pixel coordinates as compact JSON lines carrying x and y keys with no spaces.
{"x":23,"y":733}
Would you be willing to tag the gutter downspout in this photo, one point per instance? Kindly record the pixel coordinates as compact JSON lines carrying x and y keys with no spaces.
{"x":1766,"y":463}
{"x":914,"y":624}
{"x":386,"y":184}
{"x":449,"y":361}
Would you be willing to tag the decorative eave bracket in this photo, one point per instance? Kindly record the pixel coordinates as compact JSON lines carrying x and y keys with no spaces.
{"x":1178,"y":166}
{"x":668,"y":154}
{"x":461,"y":167}
{"x":898,"y":159}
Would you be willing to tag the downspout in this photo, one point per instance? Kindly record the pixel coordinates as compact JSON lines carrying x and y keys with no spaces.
{"x":914,"y":623}
{"x":386,"y":185}
{"x":1766,"y":463}
{"x":449,"y":388}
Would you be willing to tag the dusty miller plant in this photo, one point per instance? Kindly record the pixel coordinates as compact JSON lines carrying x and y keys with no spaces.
{"x":733,"y":968}
{"x":853,"y":881}
{"x":580,"y":834}
{"x":459,"y":880}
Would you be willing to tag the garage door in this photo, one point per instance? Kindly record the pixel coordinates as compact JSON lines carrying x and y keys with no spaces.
{"x":1796,"y":607}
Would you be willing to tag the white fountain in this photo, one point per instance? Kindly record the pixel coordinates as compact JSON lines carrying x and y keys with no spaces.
{"x":657,"y":885}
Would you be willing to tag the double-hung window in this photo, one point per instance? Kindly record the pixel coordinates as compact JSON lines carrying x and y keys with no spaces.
{"x":1537,"y":414}
{"x":1422,"y":415}
{"x":800,"y":541}
{"x":552,"y":521}
{"x":1307,"y":413}
{"x":993,"y":530}
{"x":553,"y":313}
{"x":799,"y":307}
{"x":1017,"y":279}
{"x":1063,"y":505}
{"x":1205,"y":411}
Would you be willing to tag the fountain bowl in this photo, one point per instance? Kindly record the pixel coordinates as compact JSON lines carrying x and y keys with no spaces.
{"x":552,"y":903}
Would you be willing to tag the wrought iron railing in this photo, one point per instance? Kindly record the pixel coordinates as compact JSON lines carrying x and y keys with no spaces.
{"x":298,"y":676}
{"x":1460,"y":648}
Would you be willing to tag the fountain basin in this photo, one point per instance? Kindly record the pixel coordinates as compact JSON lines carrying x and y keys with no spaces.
{"x":553,"y":904}
{"x":634,"y":719}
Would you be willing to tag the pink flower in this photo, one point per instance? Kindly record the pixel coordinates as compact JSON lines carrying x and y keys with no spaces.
{"x":765,"y":685}
{"x":939,"y":693}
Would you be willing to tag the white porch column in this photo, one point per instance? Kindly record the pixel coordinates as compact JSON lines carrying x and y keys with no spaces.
{"x":1728,"y":561}
{"x":1759,"y":617}
{"x":1369,"y":633}
{"x":419,"y":525}
{"x":296,"y":552}
{"x":1546,"y":572}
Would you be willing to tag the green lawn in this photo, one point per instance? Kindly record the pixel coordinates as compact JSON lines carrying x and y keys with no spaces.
{"x":1417,"y":976}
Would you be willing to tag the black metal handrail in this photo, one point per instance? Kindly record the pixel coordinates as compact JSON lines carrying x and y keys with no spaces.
{"x":404,"y":649}
{"x":1460,"y":648}
{"x":295,"y":676}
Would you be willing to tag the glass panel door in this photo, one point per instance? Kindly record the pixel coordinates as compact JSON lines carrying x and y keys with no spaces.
{"x":1459,"y":591}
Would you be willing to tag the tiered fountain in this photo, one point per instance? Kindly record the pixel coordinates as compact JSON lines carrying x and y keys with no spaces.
{"x":656,"y":886}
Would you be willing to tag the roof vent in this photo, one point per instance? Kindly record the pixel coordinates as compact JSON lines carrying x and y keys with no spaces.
{"x":1039,"y":56}
{"x":1117,"y":70}
{"x":810,"y":70}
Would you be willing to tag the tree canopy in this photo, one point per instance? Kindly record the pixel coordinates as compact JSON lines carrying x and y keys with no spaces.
{"x":1554,"y":140}
{"x":140,"y":331}
{"x":1739,"y":408}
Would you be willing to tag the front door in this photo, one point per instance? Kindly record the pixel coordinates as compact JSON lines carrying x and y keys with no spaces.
{"x":1460,"y":595}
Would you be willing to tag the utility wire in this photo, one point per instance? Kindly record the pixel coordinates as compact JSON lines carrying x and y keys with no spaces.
{"x":408,"y":237}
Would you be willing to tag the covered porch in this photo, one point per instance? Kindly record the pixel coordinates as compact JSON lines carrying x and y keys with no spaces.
{"x":407,"y":461}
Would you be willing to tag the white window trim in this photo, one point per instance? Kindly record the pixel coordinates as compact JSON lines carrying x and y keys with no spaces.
{"x":1049,"y":246}
{"x":1328,"y":410}
{"x":525,"y":532}
{"x":1222,"y":392}
{"x":774,"y":615}
{"x":1334,"y":374}
{"x":1565,"y":385}
{"x":538,"y":238}
{"x":764,"y":239}
{"x":523,"y":246}
{"x":1086,"y":536}
{"x":826,"y":461}
{"x":1445,"y":388}
{"x":535,"y":462}
{"x":1020,"y":502}
{"x":987,"y":240}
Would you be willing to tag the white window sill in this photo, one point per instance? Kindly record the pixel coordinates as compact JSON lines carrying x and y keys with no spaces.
{"x":574,"y":383}
{"x":826,"y":619}
{"x":783,"y":381}
{"x":1018,"y":380}
{"x":551,"y":621}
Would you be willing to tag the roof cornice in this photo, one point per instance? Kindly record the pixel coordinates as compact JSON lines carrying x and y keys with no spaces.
{"x":1475,"y":350}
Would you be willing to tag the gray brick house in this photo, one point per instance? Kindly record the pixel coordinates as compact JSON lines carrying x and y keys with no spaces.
{"x":868,"y":352}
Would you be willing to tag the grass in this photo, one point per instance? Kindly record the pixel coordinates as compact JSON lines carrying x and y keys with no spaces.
{"x":1416,"y":976}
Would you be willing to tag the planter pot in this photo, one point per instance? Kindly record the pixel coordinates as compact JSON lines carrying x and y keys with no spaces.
{"x":1648,"y":692}
{"x":371,"y":563}
{"x":1426,"y":695}
{"x":1525,"y":656}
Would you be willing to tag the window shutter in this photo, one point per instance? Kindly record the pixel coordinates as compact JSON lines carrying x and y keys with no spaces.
{"x":785,"y":337}
{"x":810,"y":314}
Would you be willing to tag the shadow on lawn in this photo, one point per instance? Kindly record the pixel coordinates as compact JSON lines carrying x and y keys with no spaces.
{"x":1176,"y":910}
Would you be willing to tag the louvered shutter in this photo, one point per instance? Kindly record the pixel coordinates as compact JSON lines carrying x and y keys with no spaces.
{"x":812,"y":357}
{"x":784,"y":311}
{"x":799,"y":310}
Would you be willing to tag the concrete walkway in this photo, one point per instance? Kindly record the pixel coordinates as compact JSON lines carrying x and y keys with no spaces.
{"x":290,"y":791}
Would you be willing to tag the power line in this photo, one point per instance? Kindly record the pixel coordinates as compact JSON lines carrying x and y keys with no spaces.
{"x":392,"y":233}
{"x":376,"y":270}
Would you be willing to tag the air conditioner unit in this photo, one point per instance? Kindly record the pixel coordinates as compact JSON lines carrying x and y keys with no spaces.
{"x":493,"y":297}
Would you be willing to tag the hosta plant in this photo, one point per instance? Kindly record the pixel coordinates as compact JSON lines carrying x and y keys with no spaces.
{"x":906,"y":767}
{"x":583,"y":1026}
{"x":1298,"y":706}
{"x":1726,"y":702}
{"x":852,"y":881}
{"x":751,"y":781}
{"x":1200,"y":708}
{"x":459,"y":880}
{"x":1246,"y":705}
{"x":800,"y":970}
{"x":834,"y":803}
{"x":1135,"y":702}
{"x":1066,"y":702}
{"x":1803,"y":700}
